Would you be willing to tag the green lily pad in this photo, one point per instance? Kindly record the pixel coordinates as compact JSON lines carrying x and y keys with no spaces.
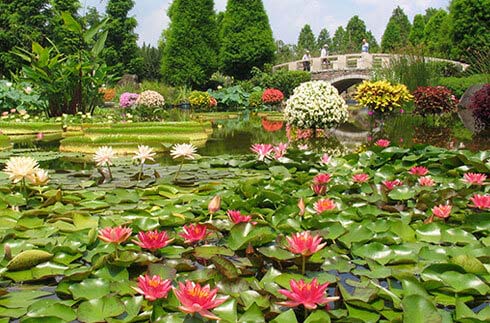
{"x":98,"y":310}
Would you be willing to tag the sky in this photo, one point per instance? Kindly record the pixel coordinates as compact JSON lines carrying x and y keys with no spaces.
{"x":286,"y":17}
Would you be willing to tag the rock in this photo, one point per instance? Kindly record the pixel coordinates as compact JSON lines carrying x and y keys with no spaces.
{"x":129,"y":79}
{"x":464,"y":112}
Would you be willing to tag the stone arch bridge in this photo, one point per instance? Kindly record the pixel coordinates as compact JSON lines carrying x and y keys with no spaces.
{"x":343,"y":71}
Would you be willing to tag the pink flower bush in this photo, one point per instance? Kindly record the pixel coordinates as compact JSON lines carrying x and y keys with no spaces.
{"x":193,"y":233}
{"x":153,"y":240}
{"x":197,"y":299}
{"x":474,"y":178}
{"x":442,"y":211}
{"x":426,"y":181}
{"x":392,"y":184}
{"x":262,"y":150}
{"x":360,"y":178}
{"x":303,"y":243}
{"x":419,"y":171}
{"x":116,"y":235}
{"x":323,"y":205}
{"x":153,"y":287}
{"x":127,"y":100}
{"x":480,"y":201}
{"x":382,"y":143}
{"x":310,"y":295}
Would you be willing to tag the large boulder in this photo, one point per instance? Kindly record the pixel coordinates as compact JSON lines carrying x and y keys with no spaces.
{"x":129,"y":79}
{"x":465,"y":113}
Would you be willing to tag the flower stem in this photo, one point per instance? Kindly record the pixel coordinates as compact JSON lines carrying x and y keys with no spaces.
{"x":303,"y":267}
{"x":178,"y":171}
{"x":141,"y":172}
{"x":24,"y":189}
{"x":306,"y":314}
{"x":109,"y":169}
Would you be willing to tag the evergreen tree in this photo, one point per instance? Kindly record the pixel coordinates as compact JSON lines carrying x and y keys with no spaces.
{"x":285,"y":52}
{"x":306,"y":40}
{"x":151,"y":61}
{"x":373,"y":43}
{"x":470,"y":22}
{"x":416,"y":36}
{"x":246,"y":38}
{"x":339,"y":43}
{"x":66,"y":41}
{"x":191,"y":42}
{"x":324,"y":38}
{"x":397,"y":31}
{"x":355,"y":32}
{"x":436,"y":34}
{"x":429,"y":12}
{"x":121,"y":48}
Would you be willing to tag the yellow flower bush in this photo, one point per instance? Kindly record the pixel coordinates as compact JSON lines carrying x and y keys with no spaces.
{"x":199,"y":100}
{"x":382,"y":95}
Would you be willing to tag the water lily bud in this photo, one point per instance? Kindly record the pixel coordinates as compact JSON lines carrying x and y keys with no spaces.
{"x":250,"y":249}
{"x":7,"y":251}
{"x":215,"y":204}
{"x":301,"y":206}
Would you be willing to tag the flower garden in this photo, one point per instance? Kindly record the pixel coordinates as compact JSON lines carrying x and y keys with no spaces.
{"x":292,"y":231}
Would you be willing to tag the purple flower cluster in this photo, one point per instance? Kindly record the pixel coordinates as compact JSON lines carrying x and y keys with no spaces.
{"x":127,"y":100}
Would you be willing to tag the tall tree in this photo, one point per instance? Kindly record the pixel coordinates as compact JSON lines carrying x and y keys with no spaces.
{"x":339,"y":41}
{"x":397,"y":31}
{"x":190,"y":53}
{"x":373,"y":43}
{"x":284,"y":52}
{"x":324,"y":39}
{"x":416,"y":36}
{"x":122,"y":51}
{"x":436,"y":34}
{"x":355,"y":32}
{"x":65,"y":40}
{"x":429,"y":12}
{"x":152,"y":56}
{"x":246,"y":38}
{"x":470,"y":27}
{"x":306,"y":39}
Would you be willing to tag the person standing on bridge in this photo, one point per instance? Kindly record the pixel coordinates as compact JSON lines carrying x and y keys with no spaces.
{"x":323,"y":56}
{"x":306,"y":61}
{"x":365,"y":46}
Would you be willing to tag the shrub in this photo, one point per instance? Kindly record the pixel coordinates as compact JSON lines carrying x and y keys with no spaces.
{"x":232,"y":97}
{"x":19,"y":96}
{"x":382,"y":96}
{"x":480,"y":104}
{"x":127,"y":100}
{"x":458,"y":85}
{"x":199,"y":100}
{"x":151,"y":99}
{"x":434,"y":100}
{"x":108,"y":94}
{"x":284,"y":80}
{"x":315,"y":105}
{"x":272,"y":96}
{"x":255,"y":99}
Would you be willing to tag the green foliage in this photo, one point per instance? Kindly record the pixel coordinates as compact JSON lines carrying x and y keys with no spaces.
{"x":458,"y":85}
{"x":199,"y":100}
{"x":121,"y":53}
{"x":436,"y":32}
{"x":470,"y":26}
{"x":190,"y":53}
{"x":355,"y":32}
{"x":373,"y":43}
{"x":246,"y":38}
{"x":20,"y":97}
{"x":339,"y":41}
{"x":255,"y":99}
{"x":397,"y":31}
{"x":382,"y":96}
{"x":152,"y":56}
{"x":306,"y":40}
{"x":285,"y":52}
{"x":231,"y":98}
{"x":284,"y":80}
{"x":70,"y":83}
{"x":324,"y":38}
{"x":66,"y":40}
{"x":416,"y":36}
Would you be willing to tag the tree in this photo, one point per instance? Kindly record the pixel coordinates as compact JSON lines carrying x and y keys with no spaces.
{"x":306,"y":39}
{"x":416,"y":36}
{"x":339,"y":43}
{"x":66,"y":41}
{"x":324,"y":38}
{"x":429,"y":12}
{"x":470,"y":22}
{"x":191,"y":44}
{"x":436,"y":34}
{"x":373,"y":44}
{"x":246,"y":38}
{"x":397,"y":31}
{"x":285,"y":52}
{"x":151,"y":61}
{"x":355,"y":32}
{"x":122,"y":51}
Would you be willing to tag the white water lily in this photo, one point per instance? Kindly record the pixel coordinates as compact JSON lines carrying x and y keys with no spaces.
{"x":144,"y":153}
{"x":39,"y":177}
{"x":187,"y":151}
{"x":104,"y":156}
{"x":19,"y":168}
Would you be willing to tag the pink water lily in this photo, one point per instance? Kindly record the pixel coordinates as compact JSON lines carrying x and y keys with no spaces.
{"x":442,"y":211}
{"x":322,"y":178}
{"x":360,"y":178}
{"x":303,"y":243}
{"x":382,"y":143}
{"x":262,"y":150}
{"x":301,"y":206}
{"x":419,"y":170}
{"x":392,"y":184}
{"x":116,"y":235}
{"x":323,"y":205}
{"x":310,"y":295}
{"x":153,"y":240}
{"x":153,"y":287}
{"x":426,"y":181}
{"x":319,"y":189}
{"x":193,"y":233}
{"x":215,"y":204}
{"x":480,"y":201}
{"x":280,"y":150}
{"x":325,"y":159}
{"x":237,"y":217}
{"x":197,"y":299}
{"x":474,"y":178}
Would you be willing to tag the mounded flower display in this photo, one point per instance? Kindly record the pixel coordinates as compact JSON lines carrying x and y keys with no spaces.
{"x":382,"y":96}
{"x":150,"y":99}
{"x":315,"y":105}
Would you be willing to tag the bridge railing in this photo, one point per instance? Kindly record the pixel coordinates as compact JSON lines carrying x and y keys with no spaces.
{"x":353,"y":61}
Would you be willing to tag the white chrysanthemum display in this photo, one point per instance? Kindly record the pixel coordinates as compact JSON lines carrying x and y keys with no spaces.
{"x":151,"y":99}
{"x":187,"y":151}
{"x":144,"y":153}
{"x":19,"y":168}
{"x":103,"y":156}
{"x":315,"y":104}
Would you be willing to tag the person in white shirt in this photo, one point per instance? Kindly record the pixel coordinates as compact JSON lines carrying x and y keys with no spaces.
{"x":306,"y":61}
{"x":365,"y":46}
{"x":323,"y":55}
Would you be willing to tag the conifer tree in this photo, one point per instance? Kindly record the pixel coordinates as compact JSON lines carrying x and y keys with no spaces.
{"x":355,"y":32}
{"x":121,"y":49}
{"x":436,"y":34}
{"x":324,"y":39}
{"x":339,"y":41}
{"x":246,"y":38}
{"x":190,"y":52}
{"x":416,"y":36}
{"x":306,"y":40}
{"x":397,"y":31}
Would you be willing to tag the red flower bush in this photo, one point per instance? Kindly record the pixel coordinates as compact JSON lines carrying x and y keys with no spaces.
{"x":480,"y":104}
{"x":271,"y":126}
{"x":272,"y":96}
{"x":434,"y":100}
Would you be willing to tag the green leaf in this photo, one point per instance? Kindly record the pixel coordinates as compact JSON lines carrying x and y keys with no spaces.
{"x":244,"y":233}
{"x":318,"y":316}
{"x":98,"y":310}
{"x":418,"y":309}
{"x":470,"y":264}
{"x":227,"y":311}
{"x":286,"y":317}
{"x":253,"y":314}
{"x":90,"y":289}
{"x":51,"y":307}
{"x":70,"y":22}
{"x":402,"y":193}
{"x":99,"y":45}
{"x":276,"y":253}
